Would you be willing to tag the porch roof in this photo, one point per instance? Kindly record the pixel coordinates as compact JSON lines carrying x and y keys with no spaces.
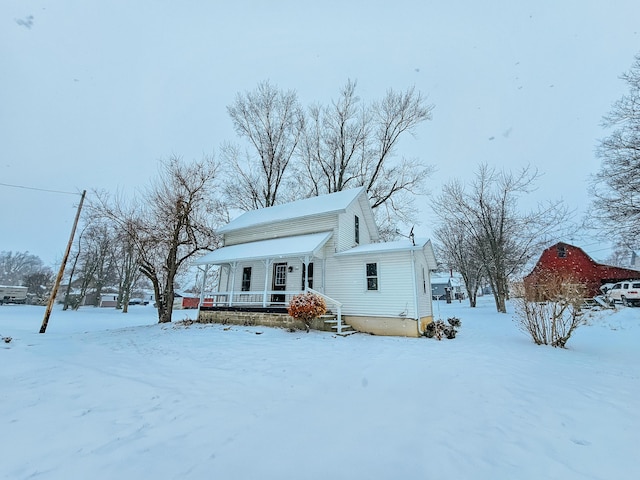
{"x":295,"y":246}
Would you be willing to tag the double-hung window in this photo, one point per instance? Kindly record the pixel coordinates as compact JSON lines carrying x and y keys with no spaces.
{"x":372,"y":276}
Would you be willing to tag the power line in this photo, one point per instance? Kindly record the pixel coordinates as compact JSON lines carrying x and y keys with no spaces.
{"x":39,"y":189}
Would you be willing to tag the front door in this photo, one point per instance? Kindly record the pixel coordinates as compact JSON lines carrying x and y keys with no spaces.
{"x":279,"y":282}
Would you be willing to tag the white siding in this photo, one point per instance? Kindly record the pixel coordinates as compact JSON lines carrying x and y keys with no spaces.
{"x":347,"y":284}
{"x":424,"y":286}
{"x":346,"y":228}
{"x":301,"y":226}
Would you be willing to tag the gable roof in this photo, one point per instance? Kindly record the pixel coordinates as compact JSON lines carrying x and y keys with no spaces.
{"x":295,"y":246}
{"x":323,"y":204}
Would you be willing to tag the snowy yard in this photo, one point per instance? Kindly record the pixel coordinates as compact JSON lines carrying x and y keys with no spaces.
{"x":104,"y":395}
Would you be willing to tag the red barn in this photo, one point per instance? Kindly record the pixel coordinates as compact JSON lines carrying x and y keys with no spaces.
{"x":566,"y":261}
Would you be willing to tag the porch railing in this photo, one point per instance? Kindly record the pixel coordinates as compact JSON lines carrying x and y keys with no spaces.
{"x":337,"y":304}
{"x":270,"y":298}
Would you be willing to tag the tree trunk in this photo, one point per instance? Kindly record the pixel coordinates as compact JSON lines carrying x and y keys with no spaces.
{"x":472,"y":299}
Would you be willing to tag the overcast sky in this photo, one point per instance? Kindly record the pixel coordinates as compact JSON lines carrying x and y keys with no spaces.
{"x":93,"y":93}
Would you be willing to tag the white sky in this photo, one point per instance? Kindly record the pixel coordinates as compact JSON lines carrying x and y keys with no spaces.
{"x":93,"y":93}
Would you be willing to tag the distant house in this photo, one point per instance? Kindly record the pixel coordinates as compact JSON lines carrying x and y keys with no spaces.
{"x":568,"y":261}
{"x":109,"y":300}
{"x":440,"y":284}
{"x":328,"y":244}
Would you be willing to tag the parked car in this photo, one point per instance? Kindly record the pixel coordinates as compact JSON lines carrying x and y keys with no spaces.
{"x":626,"y":292}
{"x":138,"y":301}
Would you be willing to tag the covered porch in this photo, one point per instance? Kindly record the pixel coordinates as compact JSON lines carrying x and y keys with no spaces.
{"x":264,"y":276}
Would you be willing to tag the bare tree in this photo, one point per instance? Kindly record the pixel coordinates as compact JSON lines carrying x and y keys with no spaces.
{"x":349,"y":144}
{"x":15,"y":266}
{"x":39,"y":283}
{"x":170,"y":223}
{"x":458,"y":251}
{"x":506,"y":238}
{"x":127,"y":264}
{"x":271,"y":120}
{"x":334,"y":143}
{"x":92,"y":265}
{"x":342,"y":145}
{"x":68,"y":300}
{"x":100,"y":253}
{"x":616,"y":187}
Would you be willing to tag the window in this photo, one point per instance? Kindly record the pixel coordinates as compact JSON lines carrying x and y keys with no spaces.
{"x":280,"y":277}
{"x":246,"y":279}
{"x":372,"y":276}
{"x":304,"y":275}
{"x":424,"y":281}
{"x":562,"y":251}
{"x":357,"y":229}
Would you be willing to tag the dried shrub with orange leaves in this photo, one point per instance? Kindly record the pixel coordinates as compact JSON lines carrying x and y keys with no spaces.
{"x":306,"y":306}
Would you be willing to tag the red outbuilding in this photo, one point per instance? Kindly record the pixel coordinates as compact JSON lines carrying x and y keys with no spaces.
{"x":567,"y":261}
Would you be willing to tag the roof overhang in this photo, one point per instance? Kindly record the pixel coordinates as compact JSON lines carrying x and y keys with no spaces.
{"x":285,"y":247}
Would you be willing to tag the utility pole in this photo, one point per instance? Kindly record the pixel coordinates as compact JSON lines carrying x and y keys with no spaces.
{"x":54,"y":292}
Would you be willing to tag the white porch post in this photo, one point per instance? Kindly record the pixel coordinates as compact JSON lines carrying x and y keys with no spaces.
{"x":204,"y":282}
{"x":267,"y":262}
{"x":306,"y":273}
{"x":233,"y":282}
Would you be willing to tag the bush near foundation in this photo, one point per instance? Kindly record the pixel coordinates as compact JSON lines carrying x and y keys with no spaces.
{"x":306,"y":307}
{"x":439,"y":329}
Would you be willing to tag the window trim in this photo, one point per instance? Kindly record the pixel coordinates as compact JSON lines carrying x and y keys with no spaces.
{"x":307,"y":269}
{"x":375,"y":277}
{"x":245,"y":285}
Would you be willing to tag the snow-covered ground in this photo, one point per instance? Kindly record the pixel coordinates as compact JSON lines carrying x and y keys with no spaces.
{"x":104,"y":395}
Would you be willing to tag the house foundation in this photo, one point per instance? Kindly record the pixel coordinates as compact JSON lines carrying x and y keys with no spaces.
{"x":247,"y":317}
{"x":388,"y":326}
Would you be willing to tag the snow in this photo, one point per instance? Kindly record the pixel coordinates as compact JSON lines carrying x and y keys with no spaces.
{"x":395,"y":246}
{"x":294,"y":246}
{"x":333,"y":202}
{"x":104,"y":395}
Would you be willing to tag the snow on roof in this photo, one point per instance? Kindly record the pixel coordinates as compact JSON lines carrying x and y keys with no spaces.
{"x":397,"y":246}
{"x":333,"y":202}
{"x":421,"y":244}
{"x":440,"y":278}
{"x":295,"y":246}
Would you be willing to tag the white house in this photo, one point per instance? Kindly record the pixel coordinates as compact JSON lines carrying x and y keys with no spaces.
{"x":328,"y":244}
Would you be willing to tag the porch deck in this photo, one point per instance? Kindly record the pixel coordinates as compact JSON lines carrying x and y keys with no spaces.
{"x":271,"y":299}
{"x":270,"y":302}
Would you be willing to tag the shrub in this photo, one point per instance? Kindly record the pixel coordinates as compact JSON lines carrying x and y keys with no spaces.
{"x":555,"y":315}
{"x":306,"y":307}
{"x":439,"y":329}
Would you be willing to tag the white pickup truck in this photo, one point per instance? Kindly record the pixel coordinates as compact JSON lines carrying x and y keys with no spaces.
{"x":13,"y":294}
{"x":626,"y":292}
